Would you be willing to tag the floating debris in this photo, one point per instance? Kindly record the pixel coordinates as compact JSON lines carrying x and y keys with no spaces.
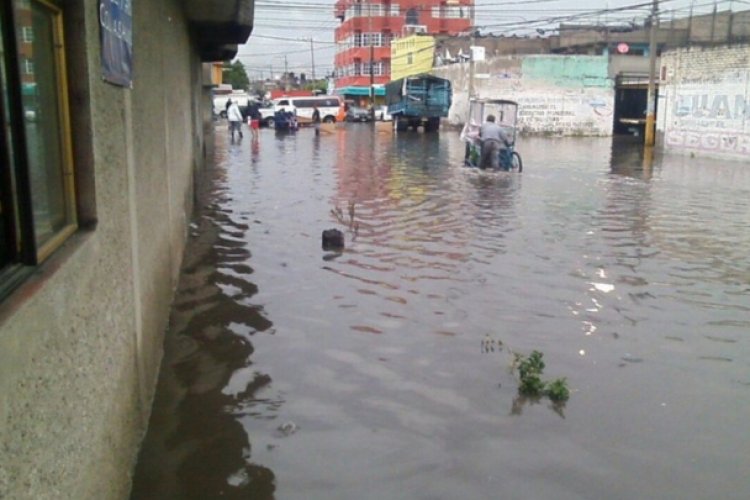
{"x":489,"y":344}
{"x":333,"y":239}
{"x":287,"y":428}
{"x":629,"y":358}
{"x":603,"y":287}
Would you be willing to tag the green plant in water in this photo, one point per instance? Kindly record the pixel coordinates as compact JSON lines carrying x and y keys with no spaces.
{"x":558,"y":391}
{"x":530,"y":370}
{"x":531,"y":386}
{"x":533,"y":365}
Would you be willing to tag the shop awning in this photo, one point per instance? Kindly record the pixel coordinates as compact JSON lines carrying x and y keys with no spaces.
{"x":359,"y":91}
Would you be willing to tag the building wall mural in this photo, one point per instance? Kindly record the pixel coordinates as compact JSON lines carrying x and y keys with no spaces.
{"x":557,"y":94}
{"x":704,"y":101}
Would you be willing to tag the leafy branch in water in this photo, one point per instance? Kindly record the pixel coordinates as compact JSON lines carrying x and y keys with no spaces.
{"x":558,"y":391}
{"x":530,"y":371}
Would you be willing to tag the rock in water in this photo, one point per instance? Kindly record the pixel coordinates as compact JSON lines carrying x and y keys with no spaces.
{"x":333,"y":239}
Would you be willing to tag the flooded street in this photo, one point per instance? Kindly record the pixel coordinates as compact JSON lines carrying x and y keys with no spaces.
{"x":294,"y":373}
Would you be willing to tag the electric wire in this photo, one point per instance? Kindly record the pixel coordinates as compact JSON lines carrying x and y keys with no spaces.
{"x":633,"y":14}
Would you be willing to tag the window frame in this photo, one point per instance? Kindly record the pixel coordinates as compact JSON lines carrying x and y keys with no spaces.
{"x":25,"y":251}
{"x":28,"y":67}
{"x":27,"y":34}
{"x":65,"y":135}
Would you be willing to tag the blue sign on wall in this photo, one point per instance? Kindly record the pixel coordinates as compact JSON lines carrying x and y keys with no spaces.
{"x":116,"y":33}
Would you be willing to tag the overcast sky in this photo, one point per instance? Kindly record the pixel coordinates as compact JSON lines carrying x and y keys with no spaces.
{"x":284,"y":29}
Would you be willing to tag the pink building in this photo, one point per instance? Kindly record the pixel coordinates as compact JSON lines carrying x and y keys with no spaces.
{"x":366,"y":31}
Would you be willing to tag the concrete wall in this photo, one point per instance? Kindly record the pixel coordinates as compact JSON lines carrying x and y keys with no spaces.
{"x":493,"y":45}
{"x":630,"y":65}
{"x":557,"y":94}
{"x":80,"y":342}
{"x":717,"y":27}
{"x":704,"y":101}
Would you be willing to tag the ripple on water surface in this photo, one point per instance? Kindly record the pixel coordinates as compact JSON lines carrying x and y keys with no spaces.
{"x":632,"y":278}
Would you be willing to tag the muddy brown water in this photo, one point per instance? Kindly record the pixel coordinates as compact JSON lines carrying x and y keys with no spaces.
{"x":294,"y":373}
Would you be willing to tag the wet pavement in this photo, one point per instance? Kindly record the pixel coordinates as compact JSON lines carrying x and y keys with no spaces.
{"x":294,"y":373}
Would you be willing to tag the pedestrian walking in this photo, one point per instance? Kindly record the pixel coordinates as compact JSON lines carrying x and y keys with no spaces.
{"x":254,"y":119}
{"x":234,"y":115}
{"x":316,"y":119}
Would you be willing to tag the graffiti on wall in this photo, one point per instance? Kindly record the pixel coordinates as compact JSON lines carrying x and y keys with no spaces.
{"x":716,"y":142}
{"x":565,"y":114}
{"x":706,"y":106}
{"x":711,"y":111}
{"x":710,"y":122}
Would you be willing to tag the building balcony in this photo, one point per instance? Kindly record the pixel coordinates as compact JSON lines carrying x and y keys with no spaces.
{"x":381,"y":23}
{"x":361,"y":53}
{"x":220,"y":26}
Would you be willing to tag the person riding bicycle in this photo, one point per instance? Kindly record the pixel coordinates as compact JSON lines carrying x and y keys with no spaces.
{"x":494,"y":142}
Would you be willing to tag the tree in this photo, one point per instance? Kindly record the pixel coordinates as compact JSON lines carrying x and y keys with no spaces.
{"x":317,"y":85}
{"x":234,"y":74}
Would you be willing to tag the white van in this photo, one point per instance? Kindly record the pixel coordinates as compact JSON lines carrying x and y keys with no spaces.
{"x":220,"y":102}
{"x":328,"y":105}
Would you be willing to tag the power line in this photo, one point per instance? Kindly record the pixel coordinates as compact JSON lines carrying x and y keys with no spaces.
{"x":493,"y":14}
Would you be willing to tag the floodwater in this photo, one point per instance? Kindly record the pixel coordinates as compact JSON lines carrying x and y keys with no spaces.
{"x":294,"y":373}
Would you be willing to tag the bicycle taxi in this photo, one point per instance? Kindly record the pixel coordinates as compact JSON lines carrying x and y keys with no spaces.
{"x":506,"y":115}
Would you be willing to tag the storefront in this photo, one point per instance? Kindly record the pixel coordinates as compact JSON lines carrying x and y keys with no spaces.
{"x":104,"y":105}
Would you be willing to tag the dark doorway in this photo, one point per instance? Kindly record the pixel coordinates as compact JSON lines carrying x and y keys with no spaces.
{"x":630,"y":110}
{"x":631,"y":100}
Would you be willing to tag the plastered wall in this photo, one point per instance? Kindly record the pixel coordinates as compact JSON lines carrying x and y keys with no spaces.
{"x":704,"y":101}
{"x":557,"y":94}
{"x":80,"y":342}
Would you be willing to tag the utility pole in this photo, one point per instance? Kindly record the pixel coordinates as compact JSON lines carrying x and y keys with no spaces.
{"x":472,"y":41}
{"x":312,"y":58}
{"x":286,"y":74}
{"x":372,"y":62}
{"x":713,"y":23}
{"x":651,"y":99}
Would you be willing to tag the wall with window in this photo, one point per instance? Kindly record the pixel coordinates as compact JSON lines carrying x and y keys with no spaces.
{"x":412,"y":55}
{"x":377,"y":24}
{"x":97,"y":184}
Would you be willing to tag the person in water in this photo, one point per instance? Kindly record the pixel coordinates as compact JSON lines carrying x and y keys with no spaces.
{"x":494,"y":140}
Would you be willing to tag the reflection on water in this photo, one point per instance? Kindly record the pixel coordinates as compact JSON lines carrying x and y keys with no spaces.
{"x":196,"y":447}
{"x":631,"y":274}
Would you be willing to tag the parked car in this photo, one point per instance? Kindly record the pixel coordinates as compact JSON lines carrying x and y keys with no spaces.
{"x":358,"y":114}
{"x":303,"y":106}
{"x":266,"y":114}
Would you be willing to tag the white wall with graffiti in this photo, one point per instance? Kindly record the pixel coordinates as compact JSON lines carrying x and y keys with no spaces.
{"x":557,"y":94}
{"x":704,"y":101}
